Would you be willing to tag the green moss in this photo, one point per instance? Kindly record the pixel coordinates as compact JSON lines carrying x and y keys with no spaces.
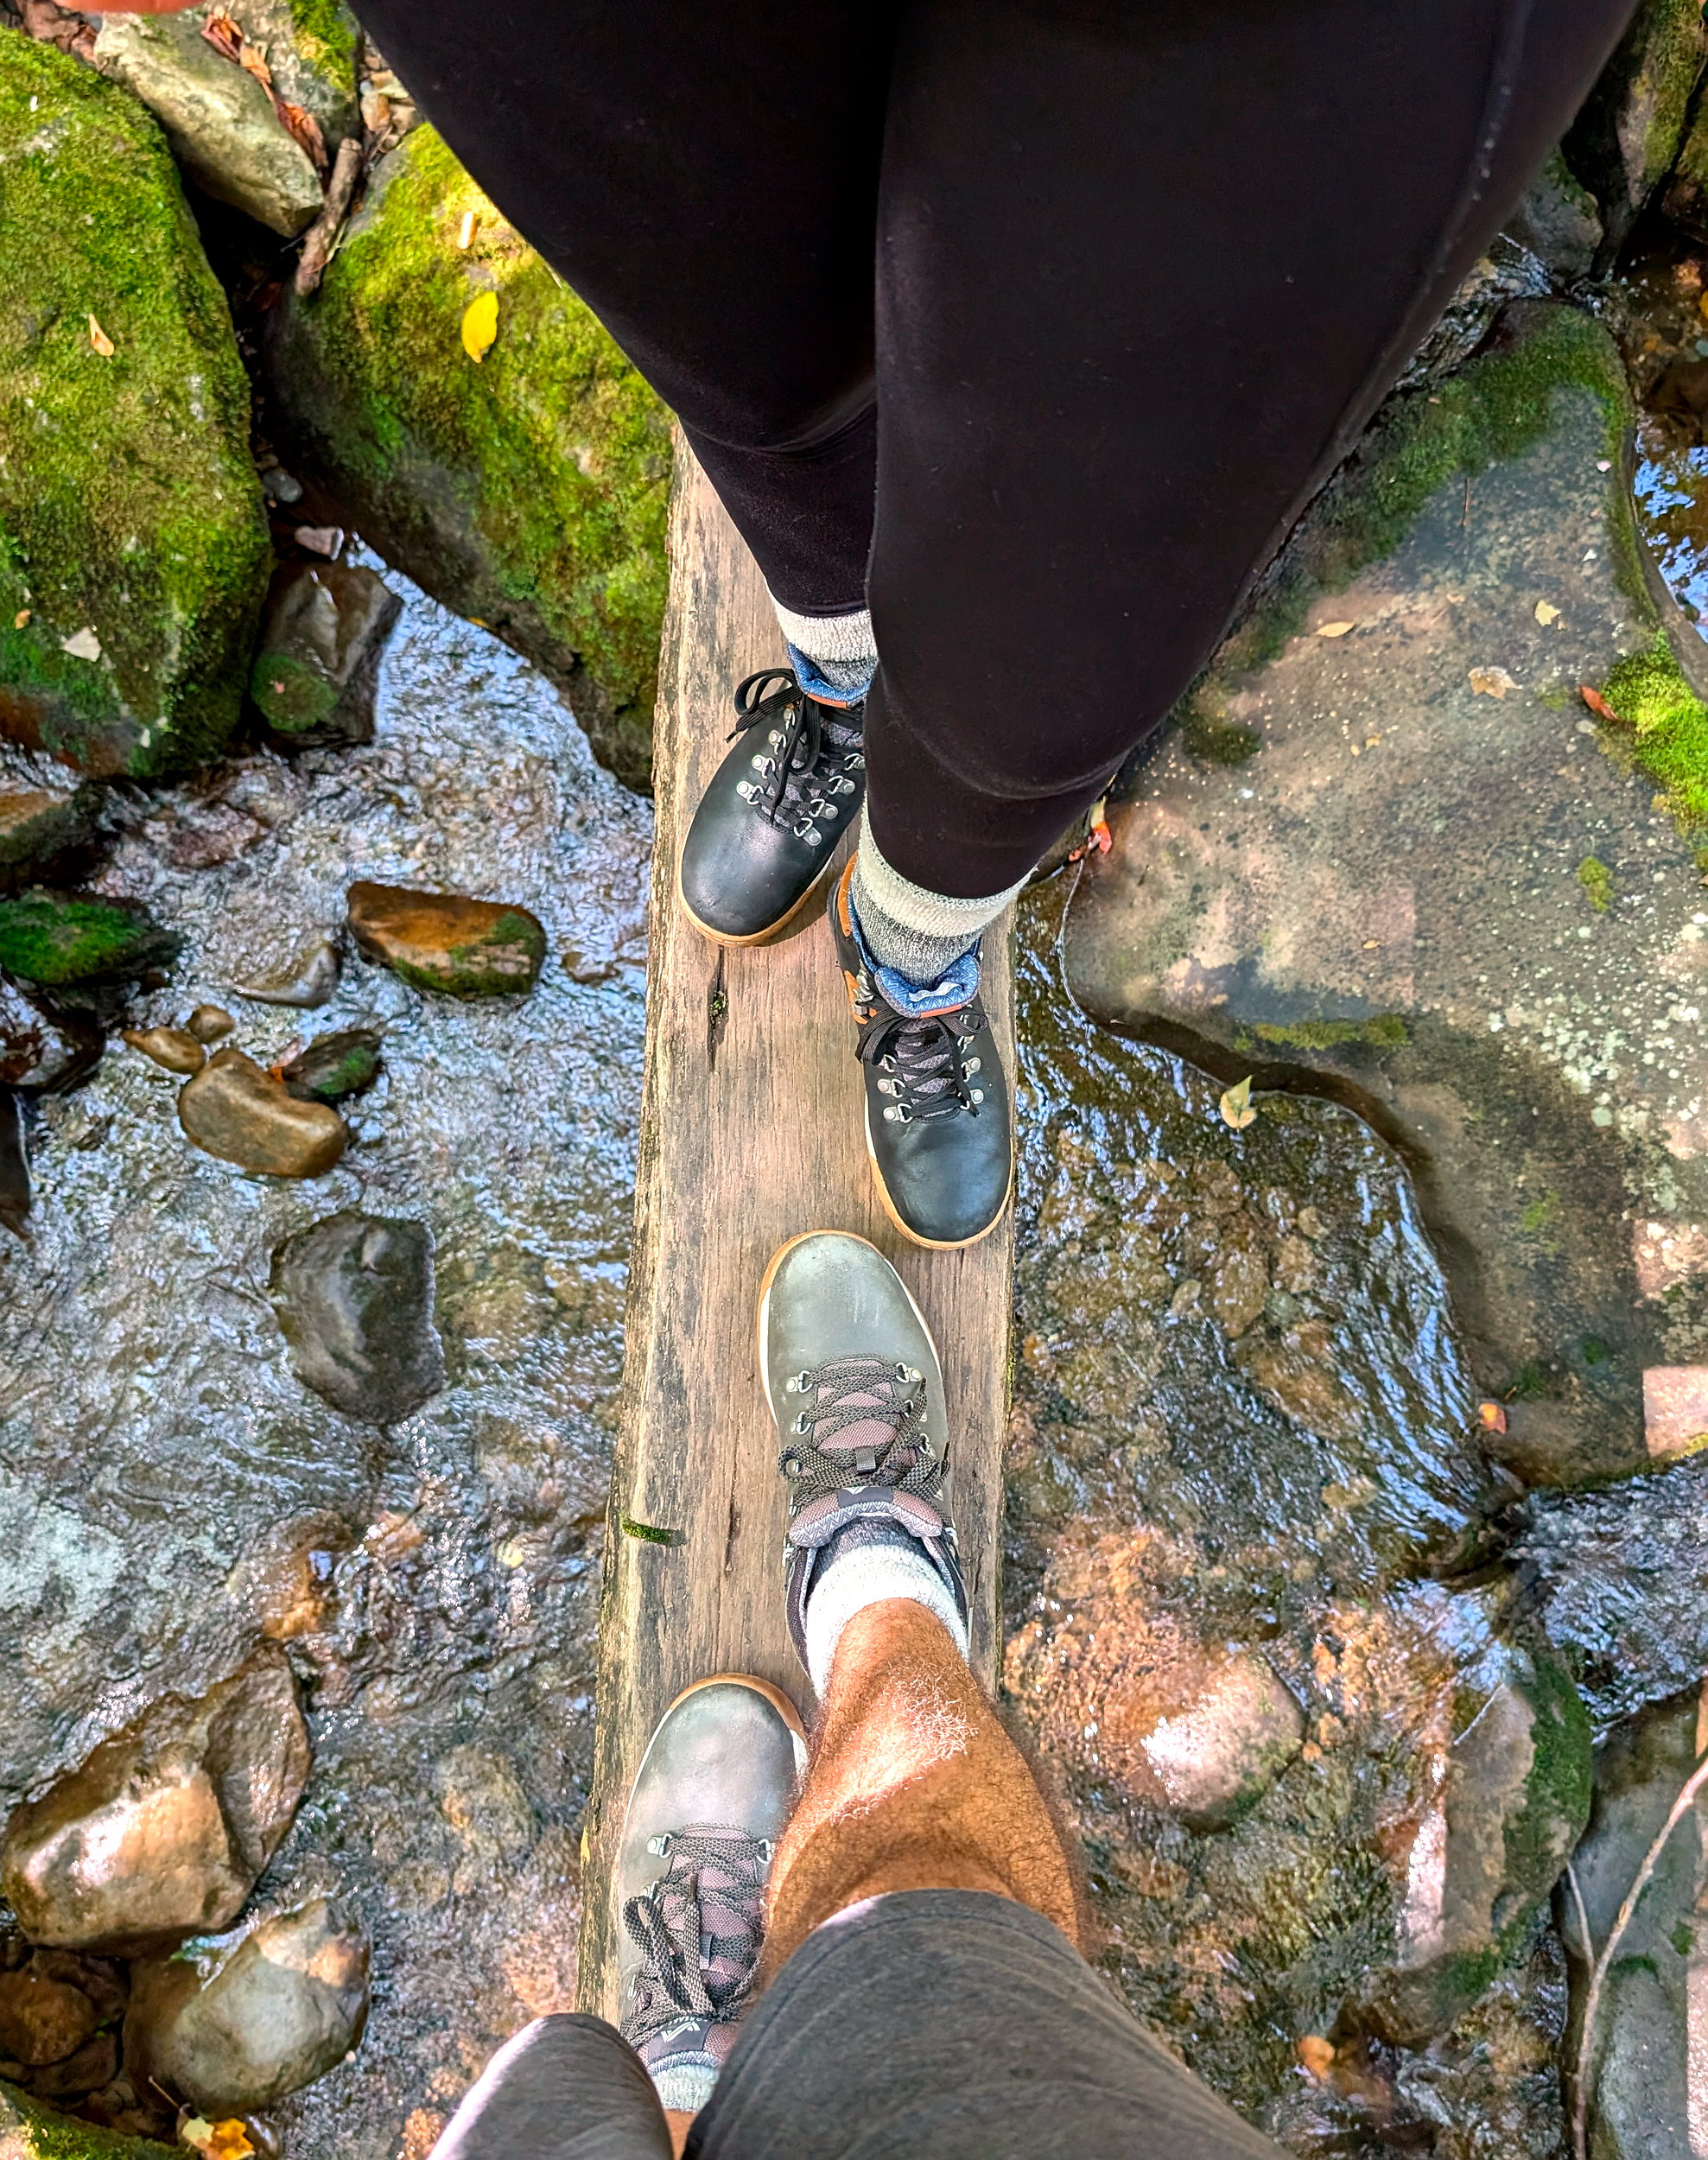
{"x":45,"y":939}
{"x":1496,"y":408}
{"x":1530,"y":1383}
{"x":504,"y":961}
{"x":1665,"y":724}
{"x":1597,"y":881}
{"x":30,"y":2132}
{"x":333,"y":1066}
{"x":1683,"y":1939}
{"x":532,"y":486}
{"x":1536,"y":1217}
{"x":128,"y":503}
{"x":1388,"y":1031}
{"x":1539,"y":1839}
{"x":290,"y":698}
{"x":327,"y":32}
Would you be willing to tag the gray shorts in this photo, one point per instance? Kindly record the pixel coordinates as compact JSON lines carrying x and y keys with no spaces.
{"x":942,"y":2023}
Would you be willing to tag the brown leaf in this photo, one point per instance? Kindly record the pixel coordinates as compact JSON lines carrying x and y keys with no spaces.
{"x":1492,"y":682}
{"x":253,"y":61}
{"x":222,"y":34}
{"x":1493,"y":1417}
{"x":99,"y":339}
{"x":306,"y":128}
{"x":1597,"y":704}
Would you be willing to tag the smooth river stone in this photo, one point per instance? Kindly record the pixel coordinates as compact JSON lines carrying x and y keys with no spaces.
{"x":234,"y":1109}
{"x":354,"y":1297}
{"x":441,"y":940}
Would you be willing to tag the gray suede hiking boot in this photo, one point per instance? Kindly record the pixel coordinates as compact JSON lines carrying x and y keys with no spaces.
{"x":711,"y":1798}
{"x":852,"y":1376}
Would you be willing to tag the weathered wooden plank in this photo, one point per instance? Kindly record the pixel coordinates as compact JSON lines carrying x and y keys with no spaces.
{"x":751,"y":1131}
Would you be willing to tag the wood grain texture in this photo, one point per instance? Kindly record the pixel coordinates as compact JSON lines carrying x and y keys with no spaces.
{"x":751,"y":1131}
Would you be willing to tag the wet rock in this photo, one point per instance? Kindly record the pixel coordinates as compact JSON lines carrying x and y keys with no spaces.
{"x":166,"y":1826}
{"x":41,"y":2020}
{"x":39,"y":828}
{"x":1511,"y":1805}
{"x":221,"y":124}
{"x":14,"y":1193}
{"x":236,"y":2021}
{"x":307,"y":980}
{"x":551,"y":458}
{"x":124,"y":651}
{"x":1623,"y":142}
{"x":237,"y":1110}
{"x":209,"y":1023}
{"x":1686,"y":200}
{"x":441,"y":941}
{"x":1386,"y":898}
{"x":334,"y":1066}
{"x":31,"y":2131}
{"x":354,"y":1296}
{"x":317,"y":666}
{"x":174,"y":1048}
{"x":1558,"y":221}
{"x":1649,"y":2050}
{"x":287,"y":1584}
{"x":59,"y":941}
{"x":95,"y":2064}
{"x":43,"y":1050}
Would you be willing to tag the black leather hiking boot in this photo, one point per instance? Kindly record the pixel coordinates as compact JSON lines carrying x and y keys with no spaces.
{"x":712,"y":1794}
{"x":939,"y":1126}
{"x":768,"y":824}
{"x":852,"y":1377}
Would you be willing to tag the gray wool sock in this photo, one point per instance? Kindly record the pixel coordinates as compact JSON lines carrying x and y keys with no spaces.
{"x":921,"y":935}
{"x":834,"y":655}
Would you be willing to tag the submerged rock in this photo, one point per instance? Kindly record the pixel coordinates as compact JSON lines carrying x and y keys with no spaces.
{"x":134,"y":553}
{"x":1622,"y":143}
{"x":441,"y":940}
{"x":317,"y":665}
{"x":44,"y":1051}
{"x":166,"y":1826}
{"x":333,"y":1066}
{"x":39,"y":828}
{"x":307,"y":980}
{"x":59,"y":941}
{"x":1435,"y":890}
{"x":237,"y":1110}
{"x":223,"y":126}
{"x":174,"y":1048}
{"x":528,"y":490}
{"x":354,"y":1295}
{"x":1648,"y":2054}
{"x":235,"y":2022}
{"x":208,"y":1023}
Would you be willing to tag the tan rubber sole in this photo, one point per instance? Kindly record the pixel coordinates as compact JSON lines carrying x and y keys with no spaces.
{"x":769,"y":1276}
{"x":760,"y":936}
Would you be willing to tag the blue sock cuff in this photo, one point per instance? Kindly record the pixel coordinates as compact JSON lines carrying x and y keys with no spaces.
{"x":817,"y":684}
{"x":960,"y":985}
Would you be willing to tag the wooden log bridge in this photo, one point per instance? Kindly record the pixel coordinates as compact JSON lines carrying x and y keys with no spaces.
{"x":751,"y":1131}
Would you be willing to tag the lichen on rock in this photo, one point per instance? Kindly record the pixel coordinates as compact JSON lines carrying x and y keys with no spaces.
{"x":527,"y":489}
{"x":133,"y":547}
{"x":31,"y":2131}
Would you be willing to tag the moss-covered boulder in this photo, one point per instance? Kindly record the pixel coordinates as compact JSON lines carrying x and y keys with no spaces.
{"x":133,"y":554}
{"x":1558,"y":221}
{"x":59,"y":942}
{"x":30,"y":2132}
{"x":526,"y":487}
{"x":1622,"y":143}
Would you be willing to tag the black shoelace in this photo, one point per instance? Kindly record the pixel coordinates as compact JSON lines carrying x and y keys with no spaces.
{"x":924,"y":1058}
{"x":861,"y":1390}
{"x":813,"y":756}
{"x":698,"y":1930}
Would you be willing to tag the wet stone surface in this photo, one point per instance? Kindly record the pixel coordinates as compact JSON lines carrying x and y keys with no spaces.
{"x":171,"y":1494}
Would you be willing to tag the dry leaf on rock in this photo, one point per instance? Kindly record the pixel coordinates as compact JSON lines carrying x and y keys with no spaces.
{"x":1491,"y":682}
{"x":480,"y":325}
{"x":1236,"y":1106}
{"x":305,"y":129}
{"x":99,"y":339}
{"x":82,"y":644}
{"x":1545,"y":614}
{"x":1334,"y":629}
{"x":1493,"y":1417}
{"x":1597,"y":704}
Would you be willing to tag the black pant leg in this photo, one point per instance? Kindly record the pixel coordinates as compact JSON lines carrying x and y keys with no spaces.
{"x":1144,"y":265}
{"x":567,"y":2088}
{"x":705,"y":176}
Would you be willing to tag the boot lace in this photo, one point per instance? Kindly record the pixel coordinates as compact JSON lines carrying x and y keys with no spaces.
{"x":859,"y":1391}
{"x":926,"y":1072}
{"x":812,"y":758}
{"x":698,"y":1930}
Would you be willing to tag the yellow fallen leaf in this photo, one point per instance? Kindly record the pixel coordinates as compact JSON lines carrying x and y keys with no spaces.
{"x":1334,"y":629}
{"x":480,"y":325}
{"x":1235,"y":1106}
{"x":1545,"y":614}
{"x":230,"y":2141}
{"x":20,"y":619}
{"x":99,"y":339}
{"x":1491,"y":682}
{"x":1702,"y":307}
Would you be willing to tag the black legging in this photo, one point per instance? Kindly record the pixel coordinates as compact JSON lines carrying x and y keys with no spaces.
{"x":1142,"y":269}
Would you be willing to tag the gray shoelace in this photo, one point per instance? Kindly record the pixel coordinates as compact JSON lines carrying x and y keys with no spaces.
{"x":698,"y":1930}
{"x":812,"y":755}
{"x":850,"y":1391}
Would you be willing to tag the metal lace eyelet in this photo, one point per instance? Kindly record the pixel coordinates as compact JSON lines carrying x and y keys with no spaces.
{"x":978,"y":1095}
{"x":801,"y":1425}
{"x":812,"y":835}
{"x":971,"y":1066}
{"x":759,"y":762}
{"x":661,"y":1845}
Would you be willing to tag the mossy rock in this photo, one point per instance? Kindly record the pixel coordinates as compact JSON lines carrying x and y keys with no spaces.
{"x":30,"y":2132}
{"x":134,"y":553}
{"x":527,"y":489}
{"x":1622,"y":143}
{"x":55,"y":941}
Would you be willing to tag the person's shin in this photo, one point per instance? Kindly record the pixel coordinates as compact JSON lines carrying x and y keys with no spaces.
{"x":918,"y":934}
